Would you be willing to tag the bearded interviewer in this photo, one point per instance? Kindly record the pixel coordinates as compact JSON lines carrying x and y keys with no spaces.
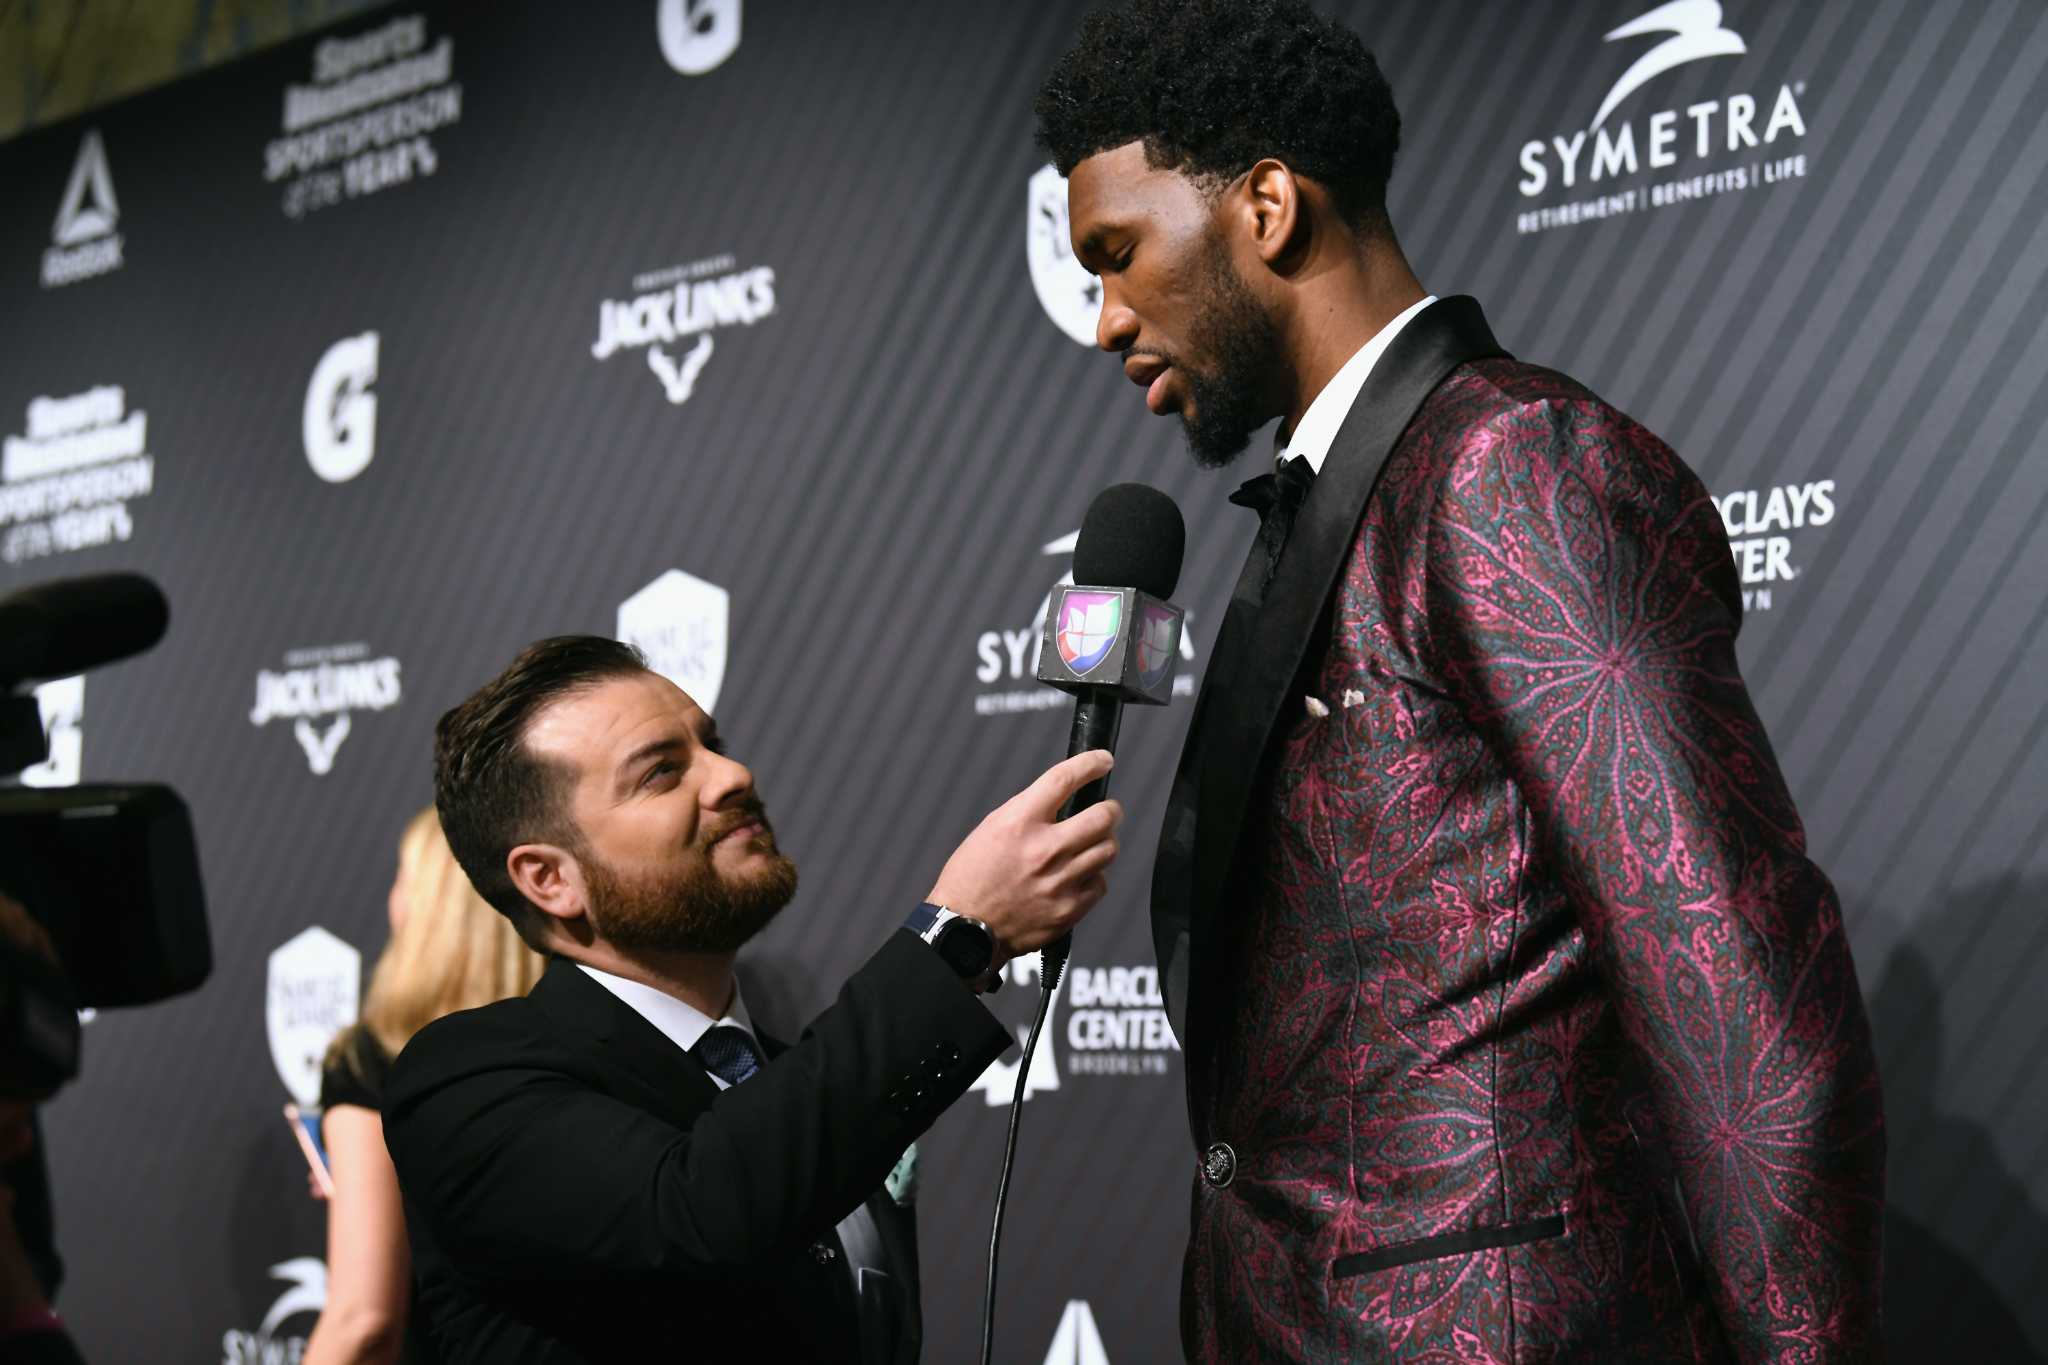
{"x":619,"y":1166}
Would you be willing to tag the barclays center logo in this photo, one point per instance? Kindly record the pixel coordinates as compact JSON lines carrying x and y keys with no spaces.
{"x":697,"y":36}
{"x":1623,"y":162}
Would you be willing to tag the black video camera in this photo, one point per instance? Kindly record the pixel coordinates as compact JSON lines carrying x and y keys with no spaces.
{"x":110,"y":871}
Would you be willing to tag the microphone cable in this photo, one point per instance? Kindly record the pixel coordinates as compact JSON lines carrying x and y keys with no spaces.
{"x":1052,"y":965}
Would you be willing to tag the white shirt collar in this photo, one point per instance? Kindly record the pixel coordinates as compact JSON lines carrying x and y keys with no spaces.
{"x":682,"y":1024}
{"x":1326,"y":412}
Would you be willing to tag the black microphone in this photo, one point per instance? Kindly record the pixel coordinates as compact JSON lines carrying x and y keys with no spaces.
{"x":53,"y":630}
{"x":1112,"y":637}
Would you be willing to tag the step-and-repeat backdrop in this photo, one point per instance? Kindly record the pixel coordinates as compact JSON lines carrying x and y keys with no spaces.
{"x":749,"y":332}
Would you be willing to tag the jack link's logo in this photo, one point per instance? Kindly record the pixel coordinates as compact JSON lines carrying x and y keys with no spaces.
{"x":307,"y":1278}
{"x":1724,"y":131}
{"x":340,"y":418}
{"x":681,"y":623}
{"x":314,"y":985}
{"x":327,"y":682}
{"x":697,"y":35}
{"x":1076,"y":1341}
{"x":1087,"y":634}
{"x":1009,"y":657}
{"x":671,"y":307}
{"x":84,"y":243}
{"x":62,"y":703}
{"x":1071,"y":296}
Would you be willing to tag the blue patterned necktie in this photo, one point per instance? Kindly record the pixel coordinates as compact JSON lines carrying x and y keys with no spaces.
{"x":728,"y":1053}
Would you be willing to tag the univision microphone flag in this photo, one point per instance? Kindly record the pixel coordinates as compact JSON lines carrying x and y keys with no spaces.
{"x":1116,"y":639}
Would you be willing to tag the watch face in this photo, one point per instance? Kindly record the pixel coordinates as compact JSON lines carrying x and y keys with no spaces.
{"x":966,"y":947}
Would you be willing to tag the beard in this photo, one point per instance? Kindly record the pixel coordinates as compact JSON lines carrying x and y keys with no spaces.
{"x":1241,"y":342}
{"x":691,"y":907}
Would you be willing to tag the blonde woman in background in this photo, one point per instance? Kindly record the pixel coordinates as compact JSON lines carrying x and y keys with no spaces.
{"x":449,"y":951}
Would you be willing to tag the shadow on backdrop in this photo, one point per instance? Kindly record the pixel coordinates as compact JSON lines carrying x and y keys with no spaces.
{"x":1944,"y":1173}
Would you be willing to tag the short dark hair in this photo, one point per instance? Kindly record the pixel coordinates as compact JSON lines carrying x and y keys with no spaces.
{"x":494,"y":793}
{"x":1212,"y":86}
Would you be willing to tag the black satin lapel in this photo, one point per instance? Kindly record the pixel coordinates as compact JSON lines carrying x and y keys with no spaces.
{"x":665,"y":1080}
{"x":1447,"y":334}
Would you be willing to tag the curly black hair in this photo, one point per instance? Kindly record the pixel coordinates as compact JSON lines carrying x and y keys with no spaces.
{"x":1211,"y":86}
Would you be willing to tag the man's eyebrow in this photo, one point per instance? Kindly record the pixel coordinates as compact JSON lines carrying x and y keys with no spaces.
{"x":648,"y":750}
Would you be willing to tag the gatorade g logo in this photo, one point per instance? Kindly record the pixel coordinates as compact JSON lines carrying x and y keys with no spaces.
{"x":340,"y":418}
{"x":1089,"y":623}
{"x":697,"y":35}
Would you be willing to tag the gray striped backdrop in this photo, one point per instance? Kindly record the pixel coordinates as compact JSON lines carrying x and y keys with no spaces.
{"x":874,"y":472}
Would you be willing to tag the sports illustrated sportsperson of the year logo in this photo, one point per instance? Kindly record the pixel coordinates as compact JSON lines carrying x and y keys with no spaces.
{"x":319,"y":690}
{"x":697,"y":36}
{"x":365,"y":121}
{"x":674,"y":312}
{"x":1738,"y":142}
{"x":340,"y":419}
{"x":83,"y":242}
{"x":67,"y":482}
{"x":681,"y":623}
{"x":1071,"y":296}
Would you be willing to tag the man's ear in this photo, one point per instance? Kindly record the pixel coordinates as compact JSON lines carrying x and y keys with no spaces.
{"x":1275,"y":212}
{"x":551,"y":879}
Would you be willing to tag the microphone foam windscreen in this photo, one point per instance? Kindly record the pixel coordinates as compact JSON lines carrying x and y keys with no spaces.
{"x":1132,"y":537}
{"x":56,"y":629}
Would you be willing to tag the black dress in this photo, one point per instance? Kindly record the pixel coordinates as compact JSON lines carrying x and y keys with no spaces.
{"x":355,"y":1075}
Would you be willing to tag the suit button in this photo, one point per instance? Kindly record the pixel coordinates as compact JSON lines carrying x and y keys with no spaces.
{"x":822,"y":1254}
{"x":1219,"y":1164}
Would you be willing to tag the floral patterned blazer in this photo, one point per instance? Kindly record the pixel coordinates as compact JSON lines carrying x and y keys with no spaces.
{"x":1519,"y":1026}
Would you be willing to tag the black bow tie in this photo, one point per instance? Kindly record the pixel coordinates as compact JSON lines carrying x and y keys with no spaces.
{"x":1276,"y":498}
{"x":1283,"y":492}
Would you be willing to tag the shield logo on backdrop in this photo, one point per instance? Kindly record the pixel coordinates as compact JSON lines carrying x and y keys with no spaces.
{"x":315,"y":983}
{"x":1089,"y":622}
{"x":680,"y":623}
{"x":1158,"y":641}
{"x":1070,"y":295}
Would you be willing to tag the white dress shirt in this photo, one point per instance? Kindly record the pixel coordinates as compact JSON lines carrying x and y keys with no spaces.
{"x":1312,"y":436}
{"x":684,"y":1025}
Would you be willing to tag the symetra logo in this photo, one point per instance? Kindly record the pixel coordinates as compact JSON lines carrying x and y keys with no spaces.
{"x":697,"y":36}
{"x":313,"y":989}
{"x":340,"y":418}
{"x":682,"y":624}
{"x":1089,"y":628}
{"x":307,"y":1294}
{"x":1724,"y":134}
{"x":1071,"y":296}
{"x":1008,"y":658}
{"x":365,"y":121}
{"x":1076,"y":1341}
{"x":62,"y":703}
{"x":1696,"y":33}
{"x":326,"y":682}
{"x":66,"y":483}
{"x":83,"y":243}
{"x":680,"y":303}
{"x":1761,"y":523}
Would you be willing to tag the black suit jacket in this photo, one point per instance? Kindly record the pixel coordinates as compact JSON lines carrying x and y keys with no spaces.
{"x":577,"y":1189}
